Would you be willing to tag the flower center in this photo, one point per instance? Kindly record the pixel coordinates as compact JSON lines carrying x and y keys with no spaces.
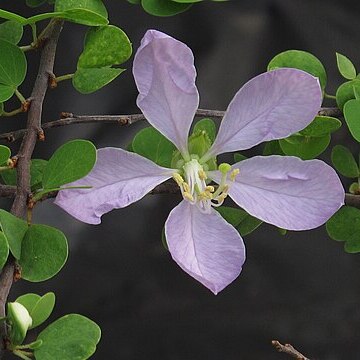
{"x":195,"y":190}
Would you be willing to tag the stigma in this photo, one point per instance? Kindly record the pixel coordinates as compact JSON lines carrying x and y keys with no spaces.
{"x":195,"y":189}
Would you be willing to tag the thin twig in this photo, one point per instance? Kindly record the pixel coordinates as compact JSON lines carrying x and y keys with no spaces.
{"x":122,"y":120}
{"x":24,"y":155}
{"x":352,"y":200}
{"x":288,"y":349}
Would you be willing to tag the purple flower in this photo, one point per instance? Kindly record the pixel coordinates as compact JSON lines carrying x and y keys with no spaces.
{"x":284,"y":191}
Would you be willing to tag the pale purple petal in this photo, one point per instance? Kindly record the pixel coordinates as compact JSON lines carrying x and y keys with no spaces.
{"x":205,"y":246}
{"x":118,"y":179}
{"x":286,"y":191}
{"x":165,"y":76}
{"x":270,"y":106}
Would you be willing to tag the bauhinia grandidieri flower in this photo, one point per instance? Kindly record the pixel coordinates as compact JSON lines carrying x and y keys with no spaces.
{"x":284,"y":191}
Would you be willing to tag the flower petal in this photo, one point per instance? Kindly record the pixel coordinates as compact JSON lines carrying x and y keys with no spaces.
{"x":270,"y":106}
{"x":118,"y":179}
{"x":165,"y":76}
{"x":205,"y":246}
{"x":286,"y":191}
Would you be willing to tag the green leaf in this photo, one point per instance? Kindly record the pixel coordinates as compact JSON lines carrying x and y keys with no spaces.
{"x":149,"y":143}
{"x":4,"y":250}
{"x":105,"y":46}
{"x":6,"y":92}
{"x":7,"y":15}
{"x":239,"y":157}
{"x":14,"y":230}
{"x":233,"y":216}
{"x":354,"y":188}
{"x":12,"y":64}
{"x":163,"y":7}
{"x":44,"y":253}
{"x":321,"y":126}
{"x":248,"y":225}
{"x":345,"y":92}
{"x":300,"y":60}
{"x":36,"y":172}
{"x":68,"y":338}
{"x":35,"y":3}
{"x":11,"y":31}
{"x":345,"y":226}
{"x":208,"y":126}
{"x":86,"y":12}
{"x":346,"y":67}
{"x":86,"y":81}
{"x":4,"y":154}
{"x":20,"y":321}
{"x":344,"y":162}
{"x":70,"y":162}
{"x":272,"y":148}
{"x":352,"y":117}
{"x":39,"y":307}
{"x":304,"y":147}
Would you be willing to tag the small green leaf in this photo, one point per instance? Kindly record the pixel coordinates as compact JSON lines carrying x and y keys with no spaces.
{"x":14,"y":230}
{"x":70,"y":162}
{"x":354,"y":188}
{"x":36,"y":172}
{"x":35,"y":344}
{"x":239,"y":157}
{"x":208,"y":126}
{"x":86,"y":81}
{"x":163,"y":7}
{"x":304,"y":147}
{"x":352,"y":117}
{"x":345,"y":92}
{"x":344,"y":162}
{"x":20,"y":321}
{"x":346,"y":67}
{"x":12,"y":64}
{"x":68,"y":338}
{"x":105,"y":46}
{"x":11,"y":31}
{"x":248,"y":225}
{"x":300,"y":60}
{"x":321,"y":126}
{"x":272,"y":148}
{"x":44,"y":253}
{"x":233,"y":216}
{"x":39,"y":307}
{"x":5,"y":153}
{"x":86,"y":12}
{"x":6,"y":92}
{"x":4,"y":250}
{"x":149,"y":143}
{"x":345,"y":226}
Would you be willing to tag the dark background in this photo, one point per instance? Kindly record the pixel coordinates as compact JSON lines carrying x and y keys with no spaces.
{"x":301,"y":288}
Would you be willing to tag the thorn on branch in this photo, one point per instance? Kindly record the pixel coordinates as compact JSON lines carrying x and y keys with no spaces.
{"x":41,"y":135}
{"x":289,"y":350}
{"x":52,"y":81}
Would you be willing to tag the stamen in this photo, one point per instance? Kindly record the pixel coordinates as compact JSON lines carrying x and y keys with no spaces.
{"x":178,"y":178}
{"x":233,"y":174}
{"x":210,"y":189}
{"x":188,"y":196}
{"x":202,"y":174}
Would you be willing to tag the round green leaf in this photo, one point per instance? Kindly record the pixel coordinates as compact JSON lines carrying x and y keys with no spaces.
{"x":344,"y":162}
{"x":11,"y":31}
{"x":300,"y":60}
{"x":86,"y":81}
{"x":248,"y":225}
{"x":68,"y":338}
{"x":321,"y":126}
{"x":86,"y":12}
{"x":43,"y":253}
{"x":345,"y":226}
{"x":352,"y":117}
{"x":12,"y":64}
{"x":304,"y":147}
{"x":272,"y":148}
{"x":70,"y":162}
{"x":6,"y":92}
{"x":346,"y":67}
{"x":14,"y":230}
{"x":149,"y":143}
{"x":163,"y":7}
{"x":345,"y":92}
{"x":208,"y":126}
{"x":4,"y":154}
{"x":39,"y":307}
{"x":105,"y":46}
{"x":4,"y":250}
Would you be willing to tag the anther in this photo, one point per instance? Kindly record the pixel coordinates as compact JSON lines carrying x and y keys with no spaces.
{"x":178,"y":178}
{"x":202,"y":174}
{"x":233,"y":174}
